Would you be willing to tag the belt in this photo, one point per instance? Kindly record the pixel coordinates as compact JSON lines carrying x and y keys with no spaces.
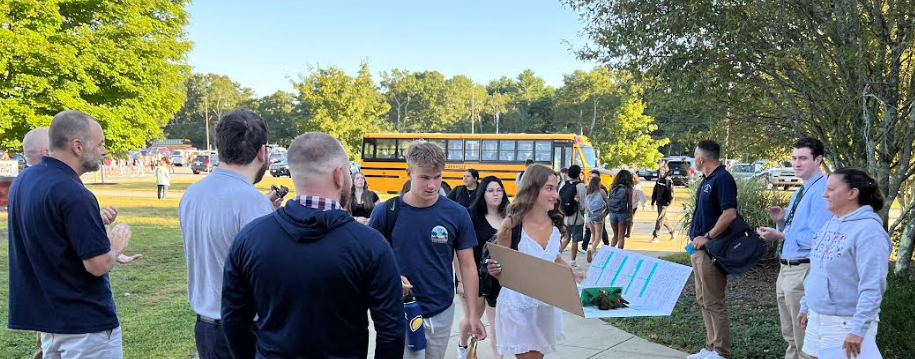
{"x":794,"y":262}
{"x":208,"y":320}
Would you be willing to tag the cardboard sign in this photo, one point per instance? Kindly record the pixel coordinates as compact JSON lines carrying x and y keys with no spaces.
{"x":652,"y":286}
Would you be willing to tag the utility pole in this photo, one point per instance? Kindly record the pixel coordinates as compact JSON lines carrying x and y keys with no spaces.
{"x":206,"y":116}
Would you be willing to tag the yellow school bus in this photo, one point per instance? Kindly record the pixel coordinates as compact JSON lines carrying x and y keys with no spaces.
{"x":500,"y":155}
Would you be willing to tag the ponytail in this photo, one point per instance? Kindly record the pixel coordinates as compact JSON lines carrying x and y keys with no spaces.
{"x":868,"y":190}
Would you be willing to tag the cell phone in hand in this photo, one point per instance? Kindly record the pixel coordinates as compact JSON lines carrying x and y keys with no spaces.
{"x":281,"y":191}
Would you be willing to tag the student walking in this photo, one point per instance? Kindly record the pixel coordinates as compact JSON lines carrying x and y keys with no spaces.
{"x":162,"y":180}
{"x":638,"y":196}
{"x":596,"y":207}
{"x":526,"y":327}
{"x":662,"y":196}
{"x":619,"y":204}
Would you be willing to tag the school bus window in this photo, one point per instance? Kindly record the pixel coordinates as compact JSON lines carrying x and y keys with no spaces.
{"x":441,"y":144}
{"x":568,"y":158}
{"x":455,"y":150}
{"x":385,"y":149}
{"x":557,"y":159}
{"x":472,"y":150}
{"x":402,"y":146}
{"x":525,"y":150}
{"x":368,"y":149}
{"x":542,"y":153}
{"x":490,"y":150}
{"x":507,"y":151}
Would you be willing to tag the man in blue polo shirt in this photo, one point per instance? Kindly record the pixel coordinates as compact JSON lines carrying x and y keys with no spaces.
{"x":716,"y":209}
{"x":428,"y":230}
{"x":60,"y":253}
{"x":795,"y":227}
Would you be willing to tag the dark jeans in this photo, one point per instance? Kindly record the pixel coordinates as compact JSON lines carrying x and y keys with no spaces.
{"x":587,"y":239}
{"x":162,"y":190}
{"x":211,"y":342}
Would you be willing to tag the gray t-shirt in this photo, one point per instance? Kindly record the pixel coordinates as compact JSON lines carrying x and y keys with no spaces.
{"x":579,"y":217}
{"x":212,"y":212}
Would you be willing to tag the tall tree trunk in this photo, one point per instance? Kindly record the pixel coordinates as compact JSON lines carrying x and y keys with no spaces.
{"x":497,"y":122}
{"x":906,"y":244}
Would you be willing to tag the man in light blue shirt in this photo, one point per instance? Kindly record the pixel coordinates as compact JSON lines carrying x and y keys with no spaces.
{"x":795,"y":226}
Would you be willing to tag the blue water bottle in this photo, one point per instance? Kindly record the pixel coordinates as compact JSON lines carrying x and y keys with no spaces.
{"x":416,"y":335}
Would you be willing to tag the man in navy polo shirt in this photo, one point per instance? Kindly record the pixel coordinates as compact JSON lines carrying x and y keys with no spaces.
{"x":716,"y":209}
{"x":60,"y":253}
{"x":428,"y":230}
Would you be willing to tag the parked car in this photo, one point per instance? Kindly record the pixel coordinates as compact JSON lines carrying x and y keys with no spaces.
{"x":648,"y":174}
{"x":743,"y":171}
{"x":177,"y":158}
{"x":277,"y":157}
{"x":779,"y":177}
{"x":681,"y":171}
{"x":280,"y":168}
{"x":204,"y":163}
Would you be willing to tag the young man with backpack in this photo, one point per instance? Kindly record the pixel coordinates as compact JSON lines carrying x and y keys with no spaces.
{"x":571,"y":204}
{"x":425,"y":229}
{"x":662,"y":196}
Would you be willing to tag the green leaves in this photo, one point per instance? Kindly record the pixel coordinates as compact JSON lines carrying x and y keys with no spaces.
{"x":119,"y":61}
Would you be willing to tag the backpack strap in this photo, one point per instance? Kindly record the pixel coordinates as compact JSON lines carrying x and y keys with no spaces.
{"x":516,"y":236}
{"x":390,"y":218}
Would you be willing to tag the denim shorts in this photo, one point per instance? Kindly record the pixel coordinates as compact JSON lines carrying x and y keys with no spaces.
{"x":619,"y":217}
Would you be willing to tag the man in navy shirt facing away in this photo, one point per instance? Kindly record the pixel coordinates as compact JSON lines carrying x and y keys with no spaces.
{"x":716,"y":210}
{"x":309,"y":272}
{"x":428,"y":230}
{"x":60,"y":253}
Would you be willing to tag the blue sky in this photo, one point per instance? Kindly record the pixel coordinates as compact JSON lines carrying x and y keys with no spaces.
{"x":264,"y":44}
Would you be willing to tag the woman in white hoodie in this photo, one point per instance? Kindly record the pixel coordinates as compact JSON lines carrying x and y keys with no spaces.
{"x":849,"y":260}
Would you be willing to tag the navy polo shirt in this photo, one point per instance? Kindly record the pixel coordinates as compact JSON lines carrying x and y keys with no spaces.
{"x":54,"y":224}
{"x":716,"y":193}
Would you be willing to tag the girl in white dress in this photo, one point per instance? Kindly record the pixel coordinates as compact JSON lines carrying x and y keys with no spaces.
{"x":526,"y":327}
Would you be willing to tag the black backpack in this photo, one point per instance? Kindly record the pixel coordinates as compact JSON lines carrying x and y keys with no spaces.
{"x":390,"y":218}
{"x":737,"y":250}
{"x":490,"y":286}
{"x":618,"y":201}
{"x":568,"y":204}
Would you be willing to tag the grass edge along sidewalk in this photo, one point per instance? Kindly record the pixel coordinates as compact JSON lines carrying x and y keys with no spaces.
{"x":755,"y":329}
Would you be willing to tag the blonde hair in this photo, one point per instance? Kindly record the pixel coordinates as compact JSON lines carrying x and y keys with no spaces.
{"x":425,"y":154}
{"x":535,"y":177}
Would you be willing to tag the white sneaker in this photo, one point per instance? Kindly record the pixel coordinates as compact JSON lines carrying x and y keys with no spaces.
{"x":581,"y":250}
{"x":654,"y":240}
{"x":462,"y":352}
{"x":574,"y":264}
{"x":703,"y":354}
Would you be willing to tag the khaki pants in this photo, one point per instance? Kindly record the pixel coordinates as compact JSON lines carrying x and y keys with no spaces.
{"x":789,"y":288}
{"x":711,"y":284}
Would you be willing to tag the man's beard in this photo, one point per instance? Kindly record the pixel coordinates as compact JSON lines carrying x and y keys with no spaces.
{"x":90,"y":163}
{"x":262,"y":172}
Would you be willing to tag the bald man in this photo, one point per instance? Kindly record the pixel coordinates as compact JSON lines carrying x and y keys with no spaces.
{"x":35,"y":145}
{"x":60,"y":252}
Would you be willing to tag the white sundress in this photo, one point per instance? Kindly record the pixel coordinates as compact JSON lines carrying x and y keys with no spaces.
{"x":525,"y":324}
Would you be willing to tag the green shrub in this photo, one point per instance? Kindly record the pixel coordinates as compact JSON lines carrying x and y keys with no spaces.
{"x":897,"y":323}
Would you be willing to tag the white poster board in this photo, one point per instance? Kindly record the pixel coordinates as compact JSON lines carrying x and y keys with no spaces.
{"x":9,"y":168}
{"x":652,"y":286}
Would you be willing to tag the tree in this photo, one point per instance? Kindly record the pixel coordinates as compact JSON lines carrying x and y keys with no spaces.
{"x":840,"y":71}
{"x":208,"y":97}
{"x":344,"y":107}
{"x":277,"y":110}
{"x":628,"y":141}
{"x":400,"y":88}
{"x":120,"y":62}
{"x":496,"y":105}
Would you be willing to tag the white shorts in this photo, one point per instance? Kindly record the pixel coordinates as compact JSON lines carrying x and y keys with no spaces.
{"x":829,"y":331}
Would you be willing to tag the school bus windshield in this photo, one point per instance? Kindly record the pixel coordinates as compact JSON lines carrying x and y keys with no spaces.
{"x":590,"y":156}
